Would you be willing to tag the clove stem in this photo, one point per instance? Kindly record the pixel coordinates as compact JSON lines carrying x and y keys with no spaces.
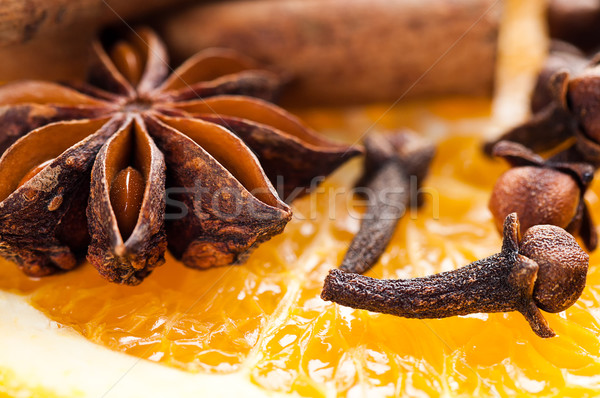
{"x":380,"y":220}
{"x":389,"y":164}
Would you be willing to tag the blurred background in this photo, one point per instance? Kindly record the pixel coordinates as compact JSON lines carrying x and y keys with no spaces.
{"x":333,"y":52}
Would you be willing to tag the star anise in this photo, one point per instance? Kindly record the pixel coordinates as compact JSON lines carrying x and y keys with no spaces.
{"x":144,"y":160}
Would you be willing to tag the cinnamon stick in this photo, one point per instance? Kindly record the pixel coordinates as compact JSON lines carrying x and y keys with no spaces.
{"x":50,"y":39}
{"x":353,"y":51}
{"x":21,"y":21}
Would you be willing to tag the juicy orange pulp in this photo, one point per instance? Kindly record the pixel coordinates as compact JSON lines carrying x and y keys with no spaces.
{"x":265,"y":318}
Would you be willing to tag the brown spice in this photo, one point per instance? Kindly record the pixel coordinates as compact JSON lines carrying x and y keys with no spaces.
{"x":543,"y":192}
{"x":164,"y":134}
{"x":575,"y":21}
{"x":390,"y":162}
{"x":34,"y":171}
{"x":565,"y":106}
{"x":551,"y":123}
{"x":545,"y":270}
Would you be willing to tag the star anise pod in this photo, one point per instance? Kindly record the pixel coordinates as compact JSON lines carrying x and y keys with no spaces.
{"x":543,"y":192}
{"x":133,"y":146}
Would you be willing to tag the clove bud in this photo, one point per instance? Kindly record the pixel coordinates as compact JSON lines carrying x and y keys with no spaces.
{"x":543,"y":192}
{"x":545,"y":270}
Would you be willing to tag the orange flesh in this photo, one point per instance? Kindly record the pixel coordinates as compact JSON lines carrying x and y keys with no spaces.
{"x":266,"y":318}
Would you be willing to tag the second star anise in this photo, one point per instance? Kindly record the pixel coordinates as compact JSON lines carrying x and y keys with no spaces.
{"x":133,"y":144}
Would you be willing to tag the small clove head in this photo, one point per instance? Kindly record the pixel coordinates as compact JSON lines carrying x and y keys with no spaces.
{"x":562,"y":266}
{"x":583,"y":97}
{"x":543,"y":192}
{"x":408,"y":149}
{"x":552,"y":121}
{"x":538,"y":195}
{"x":562,"y":57}
{"x":564,"y":106}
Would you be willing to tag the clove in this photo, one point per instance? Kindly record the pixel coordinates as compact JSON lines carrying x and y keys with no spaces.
{"x":551,"y":122}
{"x":544,"y":191}
{"x":575,"y":22}
{"x":389,"y":164}
{"x":545,"y":270}
{"x":566,"y":110}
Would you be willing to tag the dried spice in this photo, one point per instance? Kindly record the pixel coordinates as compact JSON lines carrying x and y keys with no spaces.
{"x":561,"y":57}
{"x":564,"y":105}
{"x":543,"y":192}
{"x":551,"y":122}
{"x":545,"y":270}
{"x":390,"y":162}
{"x":575,"y":22}
{"x":118,"y":146}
